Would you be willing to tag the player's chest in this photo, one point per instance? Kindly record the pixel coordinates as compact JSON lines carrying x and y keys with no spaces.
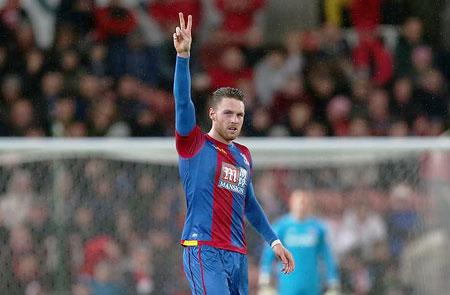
{"x":301,"y":236}
{"x":228,"y":169}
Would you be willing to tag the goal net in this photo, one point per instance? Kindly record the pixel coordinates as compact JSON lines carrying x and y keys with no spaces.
{"x":80,"y":216}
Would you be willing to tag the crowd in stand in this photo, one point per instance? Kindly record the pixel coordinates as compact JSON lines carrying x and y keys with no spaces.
{"x":113,"y":227}
{"x":108,"y":70}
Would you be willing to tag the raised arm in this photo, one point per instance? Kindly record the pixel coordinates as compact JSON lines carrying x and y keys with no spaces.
{"x":184,"y":108}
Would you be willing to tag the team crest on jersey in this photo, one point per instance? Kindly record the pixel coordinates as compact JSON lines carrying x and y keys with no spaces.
{"x":233,"y":178}
{"x":245,"y":159}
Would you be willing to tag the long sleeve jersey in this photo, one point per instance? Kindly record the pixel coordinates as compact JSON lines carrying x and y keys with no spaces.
{"x":306,"y":240}
{"x":216,"y":178}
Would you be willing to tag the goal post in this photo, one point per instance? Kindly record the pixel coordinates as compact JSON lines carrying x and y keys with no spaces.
{"x":61,"y":200}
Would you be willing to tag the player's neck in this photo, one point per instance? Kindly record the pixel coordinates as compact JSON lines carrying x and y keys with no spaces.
{"x":215,"y":135}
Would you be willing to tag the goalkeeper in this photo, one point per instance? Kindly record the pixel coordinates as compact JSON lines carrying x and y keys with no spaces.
{"x":305,"y":237}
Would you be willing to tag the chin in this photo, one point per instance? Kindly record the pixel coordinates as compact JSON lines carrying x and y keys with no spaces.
{"x":233,"y":137}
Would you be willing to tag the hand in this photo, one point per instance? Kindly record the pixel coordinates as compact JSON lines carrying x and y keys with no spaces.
{"x":182,"y":38}
{"x":285,"y":257}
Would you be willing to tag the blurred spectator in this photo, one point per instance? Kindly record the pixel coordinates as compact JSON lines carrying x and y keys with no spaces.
{"x":275,"y":68}
{"x":17,"y":278}
{"x":373,"y":58}
{"x":12,"y":18}
{"x":291,"y":92}
{"x":22,"y":117}
{"x":402,"y":220}
{"x":403,"y":103}
{"x":63,"y":117}
{"x":300,"y":115}
{"x":11,"y":90}
{"x":239,"y":23}
{"x":139,"y":276}
{"x":103,"y":281}
{"x":231,"y":70}
{"x":398,"y":128}
{"x":165,"y":13}
{"x":79,"y":14}
{"x":32,"y":74}
{"x":379,"y":113}
{"x":83,"y":224}
{"x":316,"y":129}
{"x":432,"y":96}
{"x":338,"y":115}
{"x":97,"y":60}
{"x":260,"y":123}
{"x":105,"y":120}
{"x":142,"y":62}
{"x":410,"y":38}
{"x":365,"y":14}
{"x":102,"y":204}
{"x":355,"y":274}
{"x":98,"y":249}
{"x":114,"y":23}
{"x":358,"y":127}
{"x":17,"y":201}
{"x":365,"y":227}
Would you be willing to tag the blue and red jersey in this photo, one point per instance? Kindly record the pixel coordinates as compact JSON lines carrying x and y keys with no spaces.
{"x":217,"y":180}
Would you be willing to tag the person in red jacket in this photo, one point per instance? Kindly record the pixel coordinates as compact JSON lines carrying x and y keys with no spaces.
{"x":238,"y":25}
{"x":114,"y":20}
{"x":165,"y":12}
{"x":371,"y":56}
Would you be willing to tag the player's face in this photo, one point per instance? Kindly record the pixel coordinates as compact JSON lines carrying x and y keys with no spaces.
{"x":300,"y":204}
{"x":227,"y":118}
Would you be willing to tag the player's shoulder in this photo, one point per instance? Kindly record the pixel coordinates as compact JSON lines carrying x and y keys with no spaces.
{"x":190,"y":144}
{"x":241,"y":147}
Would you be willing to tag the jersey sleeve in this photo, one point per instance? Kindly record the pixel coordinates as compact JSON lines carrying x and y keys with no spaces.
{"x":257,"y":217}
{"x":184,"y":107}
{"x":189,"y":145}
{"x":327,"y":255}
{"x":189,"y":138}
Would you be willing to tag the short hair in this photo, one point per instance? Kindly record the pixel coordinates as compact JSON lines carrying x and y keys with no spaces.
{"x":225,"y":92}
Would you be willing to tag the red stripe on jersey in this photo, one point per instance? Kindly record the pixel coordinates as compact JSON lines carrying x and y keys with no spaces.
{"x":189,"y":145}
{"x":244,"y":150}
{"x":222,"y":208}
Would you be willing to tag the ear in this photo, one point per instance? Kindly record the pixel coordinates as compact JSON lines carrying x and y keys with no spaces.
{"x":212,"y":113}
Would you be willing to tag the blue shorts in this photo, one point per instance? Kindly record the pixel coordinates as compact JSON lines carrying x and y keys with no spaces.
{"x":214,"y":271}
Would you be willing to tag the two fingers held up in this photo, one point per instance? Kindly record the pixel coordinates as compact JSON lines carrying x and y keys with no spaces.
{"x":182,"y":38}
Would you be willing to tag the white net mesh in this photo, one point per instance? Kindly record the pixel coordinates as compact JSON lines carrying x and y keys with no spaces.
{"x":79,"y":216}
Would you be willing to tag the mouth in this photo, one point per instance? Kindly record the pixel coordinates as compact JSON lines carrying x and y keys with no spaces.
{"x":232,"y":129}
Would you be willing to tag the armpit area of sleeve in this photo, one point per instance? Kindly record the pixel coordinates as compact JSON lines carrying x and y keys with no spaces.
{"x":189,"y":145}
